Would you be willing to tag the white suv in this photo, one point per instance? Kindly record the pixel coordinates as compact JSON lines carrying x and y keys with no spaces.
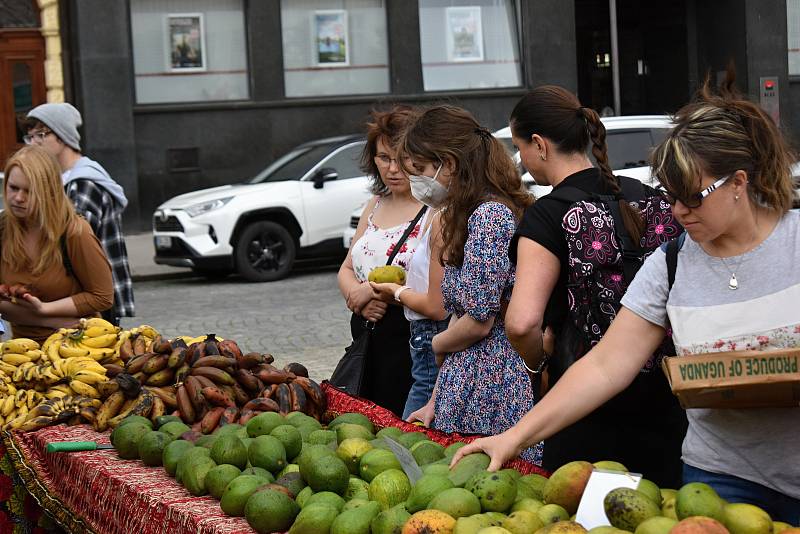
{"x":292,"y":209}
{"x":629,"y":140}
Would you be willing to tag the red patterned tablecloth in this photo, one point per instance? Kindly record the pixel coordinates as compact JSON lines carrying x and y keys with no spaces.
{"x":96,"y":492}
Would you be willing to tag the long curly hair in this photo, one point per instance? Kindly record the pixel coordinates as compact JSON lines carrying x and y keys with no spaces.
{"x":52,"y":212}
{"x":482,"y":170}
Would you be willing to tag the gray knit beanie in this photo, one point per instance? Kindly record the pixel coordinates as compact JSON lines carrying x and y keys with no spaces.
{"x":63,"y":119}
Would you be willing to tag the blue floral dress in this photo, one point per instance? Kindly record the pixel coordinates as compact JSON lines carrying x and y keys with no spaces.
{"x":484,"y":389}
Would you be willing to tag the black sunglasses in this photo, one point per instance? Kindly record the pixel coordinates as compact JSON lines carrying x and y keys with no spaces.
{"x":695,"y":200}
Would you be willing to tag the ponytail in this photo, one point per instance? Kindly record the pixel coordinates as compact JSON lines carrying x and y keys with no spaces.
{"x":631,"y":217}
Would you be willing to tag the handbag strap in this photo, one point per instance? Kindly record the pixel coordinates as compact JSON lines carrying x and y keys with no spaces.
{"x":405,"y":235}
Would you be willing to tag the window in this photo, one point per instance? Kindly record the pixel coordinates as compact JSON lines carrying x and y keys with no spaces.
{"x":793,"y":34}
{"x":347,"y":162}
{"x":334,"y":47}
{"x":629,"y":148}
{"x":189,"y":50}
{"x":469,"y":44}
{"x":294,"y":165}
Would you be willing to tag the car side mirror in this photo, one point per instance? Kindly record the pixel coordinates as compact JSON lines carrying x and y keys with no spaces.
{"x":326,"y":174}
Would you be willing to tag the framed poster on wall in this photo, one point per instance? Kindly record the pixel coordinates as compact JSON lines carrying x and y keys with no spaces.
{"x":330,"y":38}
{"x":464,"y":33}
{"x":187,"y":42}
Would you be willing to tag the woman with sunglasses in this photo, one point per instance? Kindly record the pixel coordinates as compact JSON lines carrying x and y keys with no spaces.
{"x":386,"y":217}
{"x":727,"y":169}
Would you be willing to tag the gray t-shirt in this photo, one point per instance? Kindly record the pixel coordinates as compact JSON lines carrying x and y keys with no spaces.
{"x":760,"y":445}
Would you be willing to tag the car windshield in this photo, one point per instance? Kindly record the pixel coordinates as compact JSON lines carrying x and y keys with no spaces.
{"x":294,"y":165}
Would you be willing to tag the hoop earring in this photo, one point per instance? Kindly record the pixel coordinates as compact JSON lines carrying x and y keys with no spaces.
{"x":542,"y":156}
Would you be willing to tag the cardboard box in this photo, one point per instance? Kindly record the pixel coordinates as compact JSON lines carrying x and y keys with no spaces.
{"x":742,"y":379}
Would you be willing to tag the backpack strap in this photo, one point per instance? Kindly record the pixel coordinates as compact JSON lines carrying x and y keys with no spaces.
{"x":671,"y":249}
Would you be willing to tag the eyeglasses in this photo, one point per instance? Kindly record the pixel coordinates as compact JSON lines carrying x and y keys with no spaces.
{"x":694,"y":201}
{"x":35,"y":136}
{"x":383,"y":160}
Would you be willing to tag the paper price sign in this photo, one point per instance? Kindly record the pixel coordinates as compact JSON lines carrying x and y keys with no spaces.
{"x":590,"y":510}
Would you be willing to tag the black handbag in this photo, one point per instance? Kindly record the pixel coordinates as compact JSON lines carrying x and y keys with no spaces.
{"x":349,"y":373}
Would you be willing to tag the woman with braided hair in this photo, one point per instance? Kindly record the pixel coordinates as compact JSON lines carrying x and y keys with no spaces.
{"x":568,"y":269}
{"x":726,"y":170}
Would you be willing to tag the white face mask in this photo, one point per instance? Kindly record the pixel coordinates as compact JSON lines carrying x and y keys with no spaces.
{"x":428,"y":190}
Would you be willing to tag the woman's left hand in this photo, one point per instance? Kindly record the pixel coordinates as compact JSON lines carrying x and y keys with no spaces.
{"x":385,"y":290}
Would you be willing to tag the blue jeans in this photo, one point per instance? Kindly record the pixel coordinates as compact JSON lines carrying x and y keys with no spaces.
{"x":423,"y":363}
{"x":780,"y":507}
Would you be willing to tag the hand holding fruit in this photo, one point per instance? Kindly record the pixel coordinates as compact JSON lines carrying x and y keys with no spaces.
{"x":500,"y":448}
{"x":385,"y":290}
{"x":14,"y":292}
{"x":424,"y":414}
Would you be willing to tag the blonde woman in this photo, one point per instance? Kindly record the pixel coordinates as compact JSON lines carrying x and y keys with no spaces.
{"x":47,"y":248}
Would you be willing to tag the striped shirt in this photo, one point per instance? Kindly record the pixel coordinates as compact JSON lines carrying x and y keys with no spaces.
{"x":105,"y":217}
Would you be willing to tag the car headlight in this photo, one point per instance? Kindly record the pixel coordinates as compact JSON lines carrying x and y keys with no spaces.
{"x":204,"y":207}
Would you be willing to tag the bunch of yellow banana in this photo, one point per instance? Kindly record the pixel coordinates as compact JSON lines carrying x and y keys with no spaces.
{"x":69,"y":409}
{"x":14,"y":409}
{"x":16,"y":352}
{"x":82,"y":374}
{"x":96,"y":338}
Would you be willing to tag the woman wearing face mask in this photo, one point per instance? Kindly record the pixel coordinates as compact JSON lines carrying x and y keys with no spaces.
{"x":421,"y":297}
{"x":726,"y":168}
{"x":483,"y":386}
{"x":49,"y":249}
{"x":386,"y":217}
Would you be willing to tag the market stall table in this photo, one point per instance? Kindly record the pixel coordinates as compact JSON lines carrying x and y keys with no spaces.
{"x":97,"y":492}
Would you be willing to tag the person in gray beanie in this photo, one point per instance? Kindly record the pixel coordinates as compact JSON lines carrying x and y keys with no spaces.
{"x":94,"y":193}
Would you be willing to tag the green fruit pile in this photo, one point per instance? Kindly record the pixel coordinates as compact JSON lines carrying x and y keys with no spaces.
{"x":291,"y":474}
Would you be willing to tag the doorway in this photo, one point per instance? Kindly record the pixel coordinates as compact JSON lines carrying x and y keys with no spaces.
{"x":653,"y":56}
{"x":22,"y":85}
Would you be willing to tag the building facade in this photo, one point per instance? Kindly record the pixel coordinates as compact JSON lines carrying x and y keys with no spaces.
{"x":179,"y":95}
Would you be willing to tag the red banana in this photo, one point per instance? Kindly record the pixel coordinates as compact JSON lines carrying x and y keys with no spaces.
{"x":211,"y":420}
{"x":216,"y":397}
{"x":263,"y":405}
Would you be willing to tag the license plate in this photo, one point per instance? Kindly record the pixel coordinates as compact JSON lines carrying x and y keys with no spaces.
{"x":163,"y":241}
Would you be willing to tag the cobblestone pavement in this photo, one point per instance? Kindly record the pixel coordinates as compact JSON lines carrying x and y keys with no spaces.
{"x":302,"y":318}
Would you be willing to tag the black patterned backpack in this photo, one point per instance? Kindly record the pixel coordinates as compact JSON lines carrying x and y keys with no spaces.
{"x":602,"y":261}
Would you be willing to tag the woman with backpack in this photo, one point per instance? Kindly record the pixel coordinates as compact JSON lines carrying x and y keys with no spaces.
{"x":572,"y":272}
{"x":726,"y":168}
{"x":52,"y":267}
{"x":464,"y":171}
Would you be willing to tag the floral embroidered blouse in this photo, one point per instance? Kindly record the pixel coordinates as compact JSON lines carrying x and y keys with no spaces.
{"x":376,"y":245}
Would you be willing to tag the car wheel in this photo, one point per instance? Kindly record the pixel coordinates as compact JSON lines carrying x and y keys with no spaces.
{"x":264,"y":252}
